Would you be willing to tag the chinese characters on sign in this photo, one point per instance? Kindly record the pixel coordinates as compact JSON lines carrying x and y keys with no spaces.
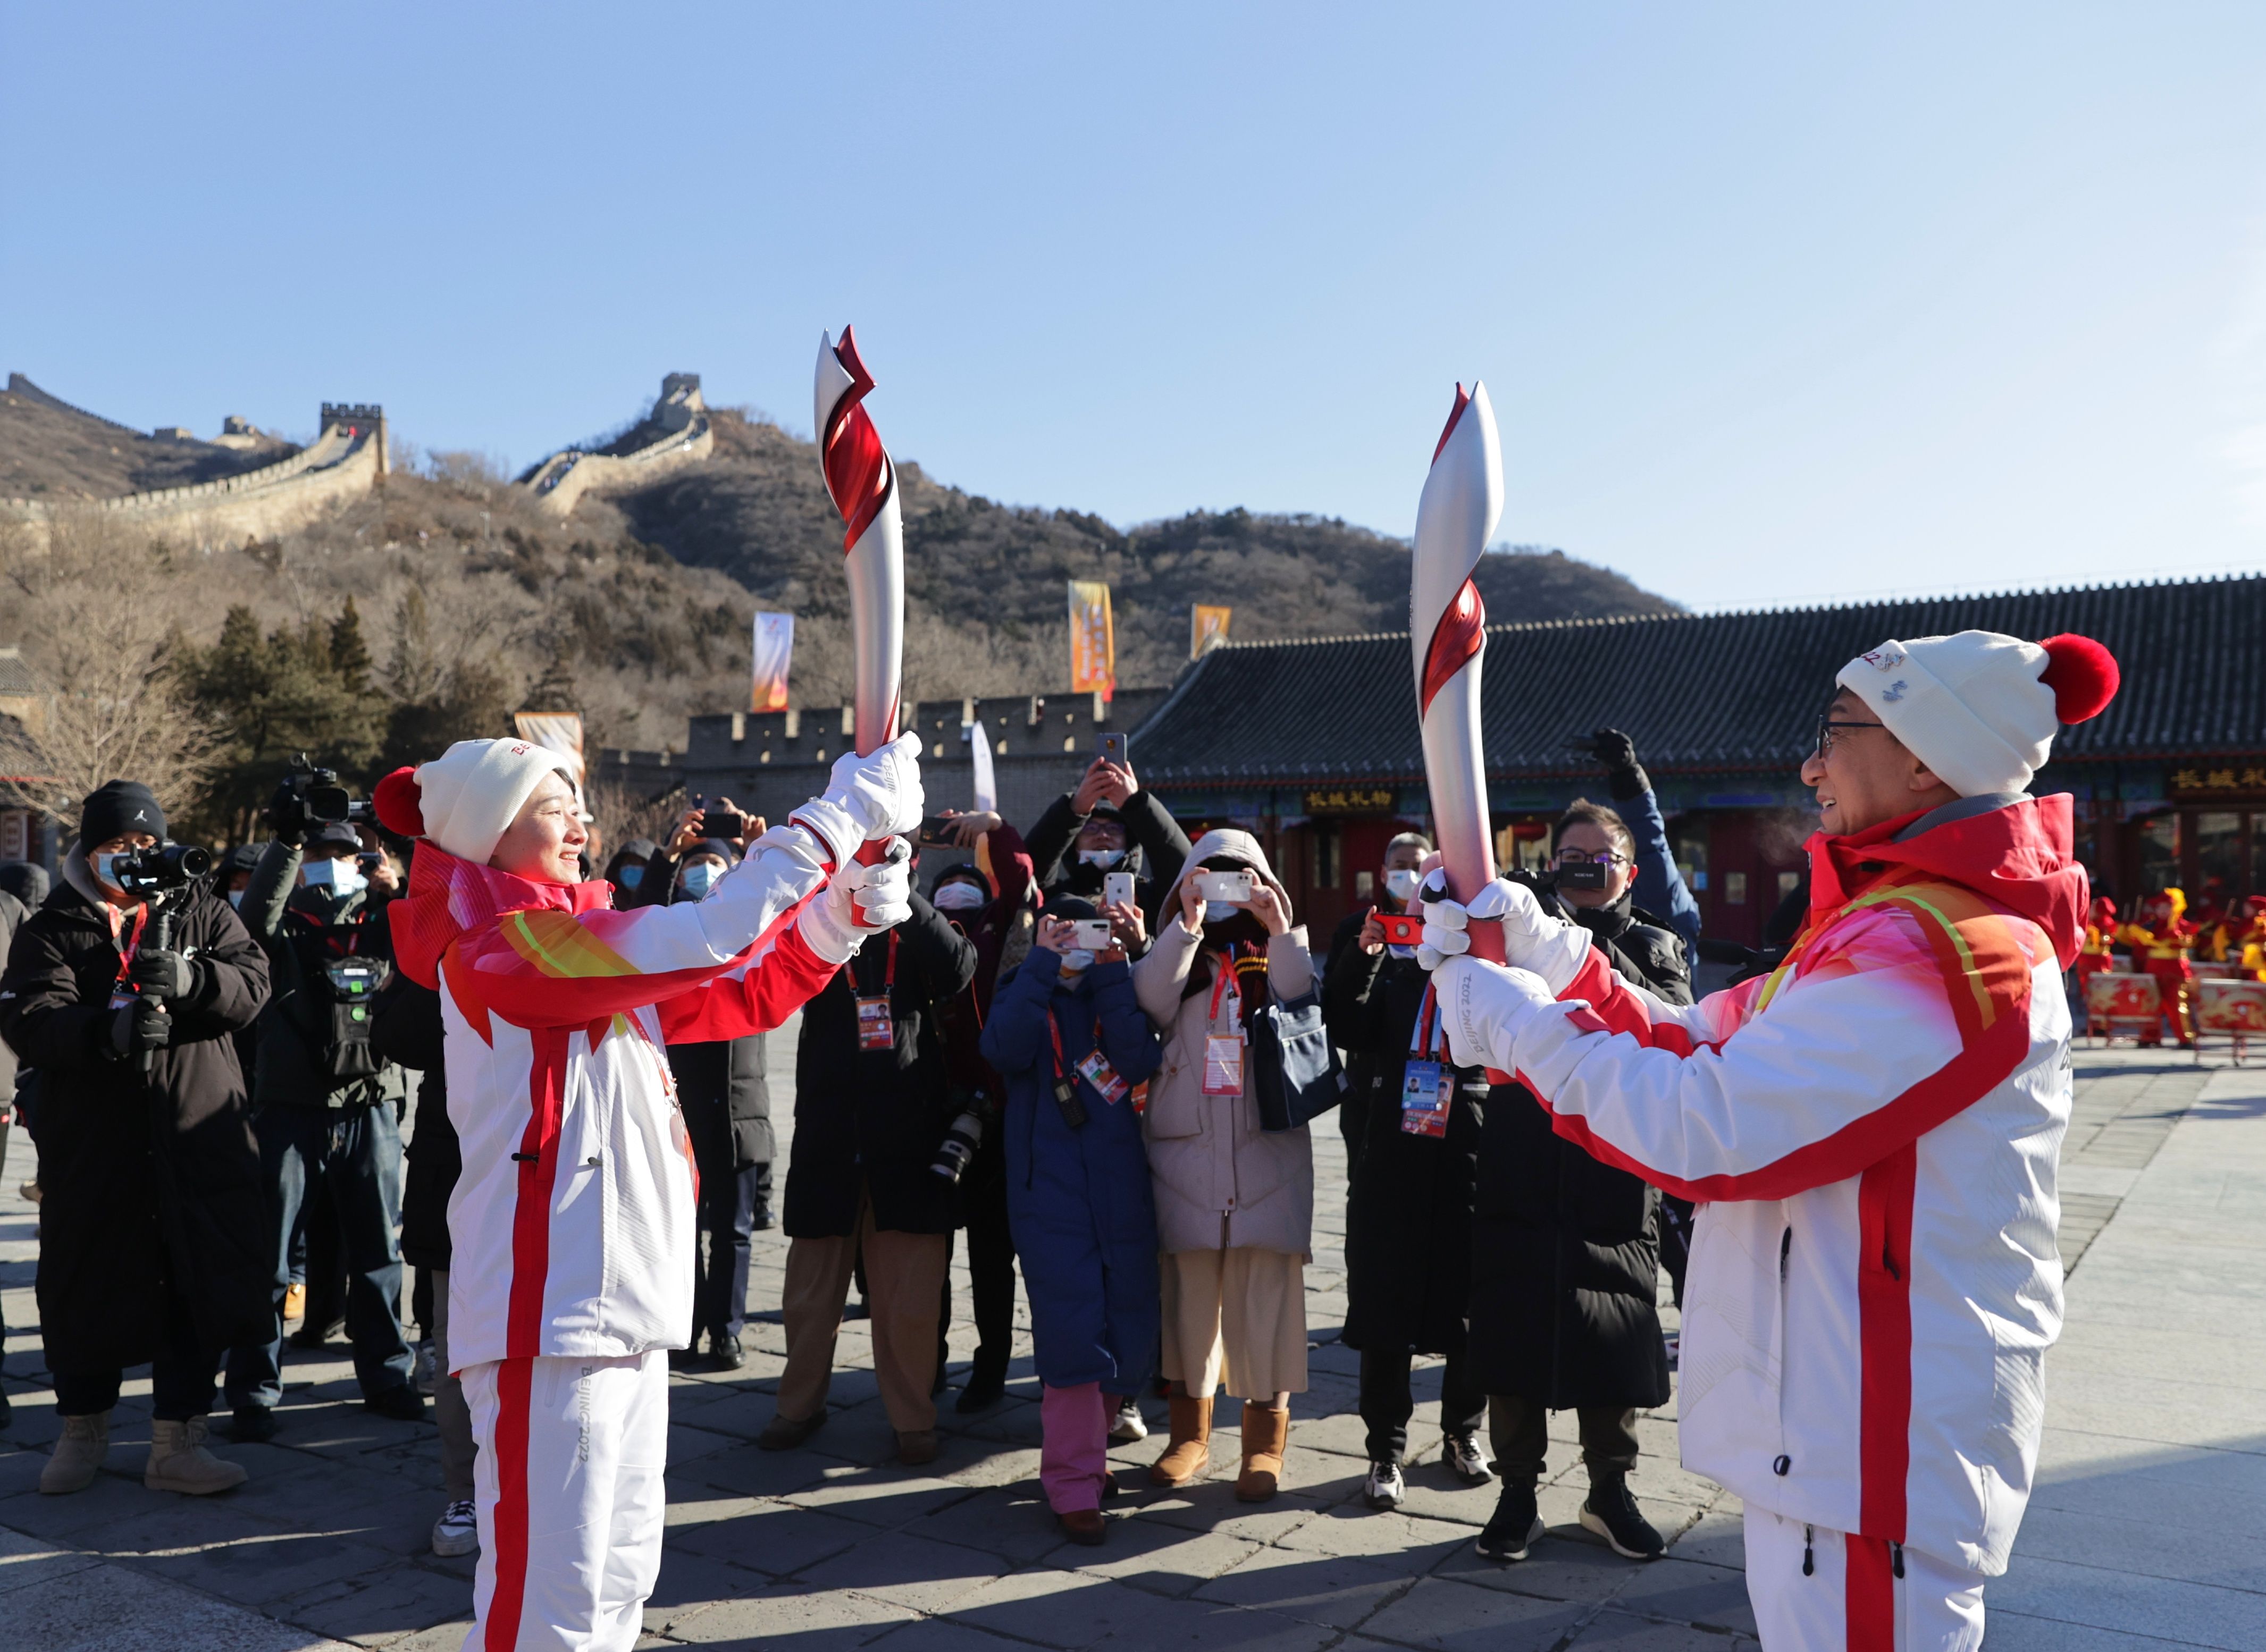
{"x":2220,"y":777}
{"x":1350,"y":800}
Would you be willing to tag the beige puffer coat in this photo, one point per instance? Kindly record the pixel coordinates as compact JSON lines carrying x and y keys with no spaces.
{"x":1219,"y":1180}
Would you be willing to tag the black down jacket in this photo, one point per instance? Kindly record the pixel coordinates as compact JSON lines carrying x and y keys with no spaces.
{"x":142,"y":1180}
{"x":406,"y":1030}
{"x":870,"y":1120}
{"x":1409,"y":1209}
{"x":1565,"y":1250}
{"x":726,"y":1102}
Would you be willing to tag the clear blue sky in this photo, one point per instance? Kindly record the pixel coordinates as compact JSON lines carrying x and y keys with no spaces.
{"x":1773,"y":301}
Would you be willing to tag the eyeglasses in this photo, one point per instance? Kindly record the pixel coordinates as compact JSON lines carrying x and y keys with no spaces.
{"x":1826,"y":727}
{"x":1583,"y":857}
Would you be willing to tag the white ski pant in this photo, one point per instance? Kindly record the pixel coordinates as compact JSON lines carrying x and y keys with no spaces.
{"x":568,"y":1482}
{"x":1851,"y":1599}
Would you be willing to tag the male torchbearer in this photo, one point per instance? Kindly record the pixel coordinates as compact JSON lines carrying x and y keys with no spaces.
{"x":1871,"y":1132}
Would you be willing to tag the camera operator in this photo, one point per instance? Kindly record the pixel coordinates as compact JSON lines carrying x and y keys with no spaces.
{"x":152,"y":1241}
{"x":327,"y":1104}
{"x":871,"y":1104}
{"x":1408,"y":1206}
{"x":728,"y":1112}
{"x":1565,"y":1249}
{"x":1109,"y":825}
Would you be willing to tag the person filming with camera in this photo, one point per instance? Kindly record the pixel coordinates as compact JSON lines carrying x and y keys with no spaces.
{"x":327,"y":1106}
{"x":123,"y":990}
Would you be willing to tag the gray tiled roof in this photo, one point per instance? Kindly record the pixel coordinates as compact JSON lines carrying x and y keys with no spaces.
{"x":1700,"y":693}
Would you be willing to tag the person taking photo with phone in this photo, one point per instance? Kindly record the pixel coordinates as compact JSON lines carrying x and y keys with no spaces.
{"x":1109,"y":825}
{"x":1068,"y":1035}
{"x":154,"y":1245}
{"x":1408,"y":1201}
{"x":1235,"y":1205}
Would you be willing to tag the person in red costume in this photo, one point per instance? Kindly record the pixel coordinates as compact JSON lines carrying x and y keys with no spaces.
{"x":2160,"y":943}
{"x":2248,"y":948}
{"x":1873,"y":1133}
{"x":573,"y":1222}
{"x":2095,"y":953}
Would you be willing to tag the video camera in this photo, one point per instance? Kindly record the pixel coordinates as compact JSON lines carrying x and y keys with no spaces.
{"x":309,"y":796}
{"x":163,"y":866}
{"x":957,"y":1151}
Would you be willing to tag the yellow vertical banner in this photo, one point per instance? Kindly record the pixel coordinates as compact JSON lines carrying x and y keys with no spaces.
{"x":560,"y":732}
{"x":1092,"y":642}
{"x":1206,"y":627}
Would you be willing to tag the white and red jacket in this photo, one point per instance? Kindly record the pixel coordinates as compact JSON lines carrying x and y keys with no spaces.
{"x":1872,"y":1131}
{"x":573,"y":1222}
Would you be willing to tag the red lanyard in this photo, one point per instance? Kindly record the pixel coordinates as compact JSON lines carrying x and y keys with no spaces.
{"x":134,"y":943}
{"x":889,"y":977}
{"x":1221,"y":974}
{"x":1055,"y":1031}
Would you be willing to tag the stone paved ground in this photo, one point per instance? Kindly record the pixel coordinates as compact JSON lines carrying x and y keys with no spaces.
{"x":2144,"y":1531}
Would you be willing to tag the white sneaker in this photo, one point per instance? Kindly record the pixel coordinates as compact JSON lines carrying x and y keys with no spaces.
{"x":1383,"y":1489}
{"x":457,"y":1530}
{"x":427,"y":1375}
{"x":1129,"y":1425}
{"x":1461,"y":1452}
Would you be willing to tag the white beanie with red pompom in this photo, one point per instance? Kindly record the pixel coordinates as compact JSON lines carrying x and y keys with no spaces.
{"x":1979,"y":709}
{"x":464,"y":798}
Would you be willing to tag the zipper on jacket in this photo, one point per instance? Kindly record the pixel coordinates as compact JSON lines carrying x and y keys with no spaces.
{"x":1808,"y":1558}
{"x":1783,"y":1464}
{"x":1897,"y":1554}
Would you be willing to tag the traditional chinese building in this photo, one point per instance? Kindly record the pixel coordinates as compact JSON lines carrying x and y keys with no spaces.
{"x":1313,"y":744}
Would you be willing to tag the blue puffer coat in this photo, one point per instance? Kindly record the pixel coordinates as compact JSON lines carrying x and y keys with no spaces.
{"x":1077,"y":1200}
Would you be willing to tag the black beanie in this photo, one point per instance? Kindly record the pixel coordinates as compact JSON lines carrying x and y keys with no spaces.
{"x":119,"y":806}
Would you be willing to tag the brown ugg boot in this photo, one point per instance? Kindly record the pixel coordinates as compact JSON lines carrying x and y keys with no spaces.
{"x":179,"y":1461}
{"x":1189,"y":1452}
{"x":77,"y":1455}
{"x":1266,"y":1434}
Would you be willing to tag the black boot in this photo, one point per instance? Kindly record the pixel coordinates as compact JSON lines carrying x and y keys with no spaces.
{"x":1516,"y":1524}
{"x":986,"y":1385}
{"x":1613,"y":1514}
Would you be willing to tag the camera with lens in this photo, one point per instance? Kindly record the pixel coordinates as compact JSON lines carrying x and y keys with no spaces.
{"x":311,"y":797}
{"x":957,"y":1151}
{"x":163,"y":866}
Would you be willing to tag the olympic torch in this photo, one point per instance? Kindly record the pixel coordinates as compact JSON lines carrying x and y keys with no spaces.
{"x":1447,"y":634}
{"x":864,"y":486}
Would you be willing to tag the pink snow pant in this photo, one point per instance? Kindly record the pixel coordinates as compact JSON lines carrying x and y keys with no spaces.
{"x":1074,"y":1446}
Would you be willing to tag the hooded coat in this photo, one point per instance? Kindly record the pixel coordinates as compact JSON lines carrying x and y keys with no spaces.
{"x":1220,"y":1180}
{"x":1409,"y":1205}
{"x":141,"y":1180}
{"x":868,"y":1122}
{"x":1565,"y":1249}
{"x":1873,"y":1132}
{"x":1079,"y":1200}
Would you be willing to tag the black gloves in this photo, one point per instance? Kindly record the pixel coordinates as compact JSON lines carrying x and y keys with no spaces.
{"x":1617,"y":752}
{"x":163,"y":974}
{"x":139,"y":1029}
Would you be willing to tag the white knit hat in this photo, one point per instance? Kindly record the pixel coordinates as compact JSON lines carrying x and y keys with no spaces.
{"x":470,"y":794}
{"x":1979,"y":709}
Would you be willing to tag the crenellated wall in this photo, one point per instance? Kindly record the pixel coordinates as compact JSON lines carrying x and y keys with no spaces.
{"x":676,"y":432}
{"x":344,"y":461}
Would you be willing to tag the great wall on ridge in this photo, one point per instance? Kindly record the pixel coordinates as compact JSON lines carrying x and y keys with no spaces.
{"x":344,"y":461}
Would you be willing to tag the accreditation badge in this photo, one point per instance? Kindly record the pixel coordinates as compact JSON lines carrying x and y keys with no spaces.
{"x":876,"y":1030}
{"x":1095,"y":1070}
{"x":1426,"y":1090}
{"x":1223,"y":1073}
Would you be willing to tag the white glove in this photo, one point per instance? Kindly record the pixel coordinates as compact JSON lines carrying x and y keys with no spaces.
{"x":1483,"y":1007}
{"x":1532,"y":938}
{"x":867,"y":797}
{"x":859,"y":901}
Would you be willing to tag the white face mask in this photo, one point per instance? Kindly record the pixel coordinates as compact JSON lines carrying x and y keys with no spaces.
{"x":102,"y":864}
{"x":696,"y":880}
{"x":1077,"y":961}
{"x":1103,"y":858}
{"x":344,"y":876}
{"x":1400,"y":883}
{"x":1220,"y":911}
{"x":236,"y":898}
{"x":959,"y":897}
